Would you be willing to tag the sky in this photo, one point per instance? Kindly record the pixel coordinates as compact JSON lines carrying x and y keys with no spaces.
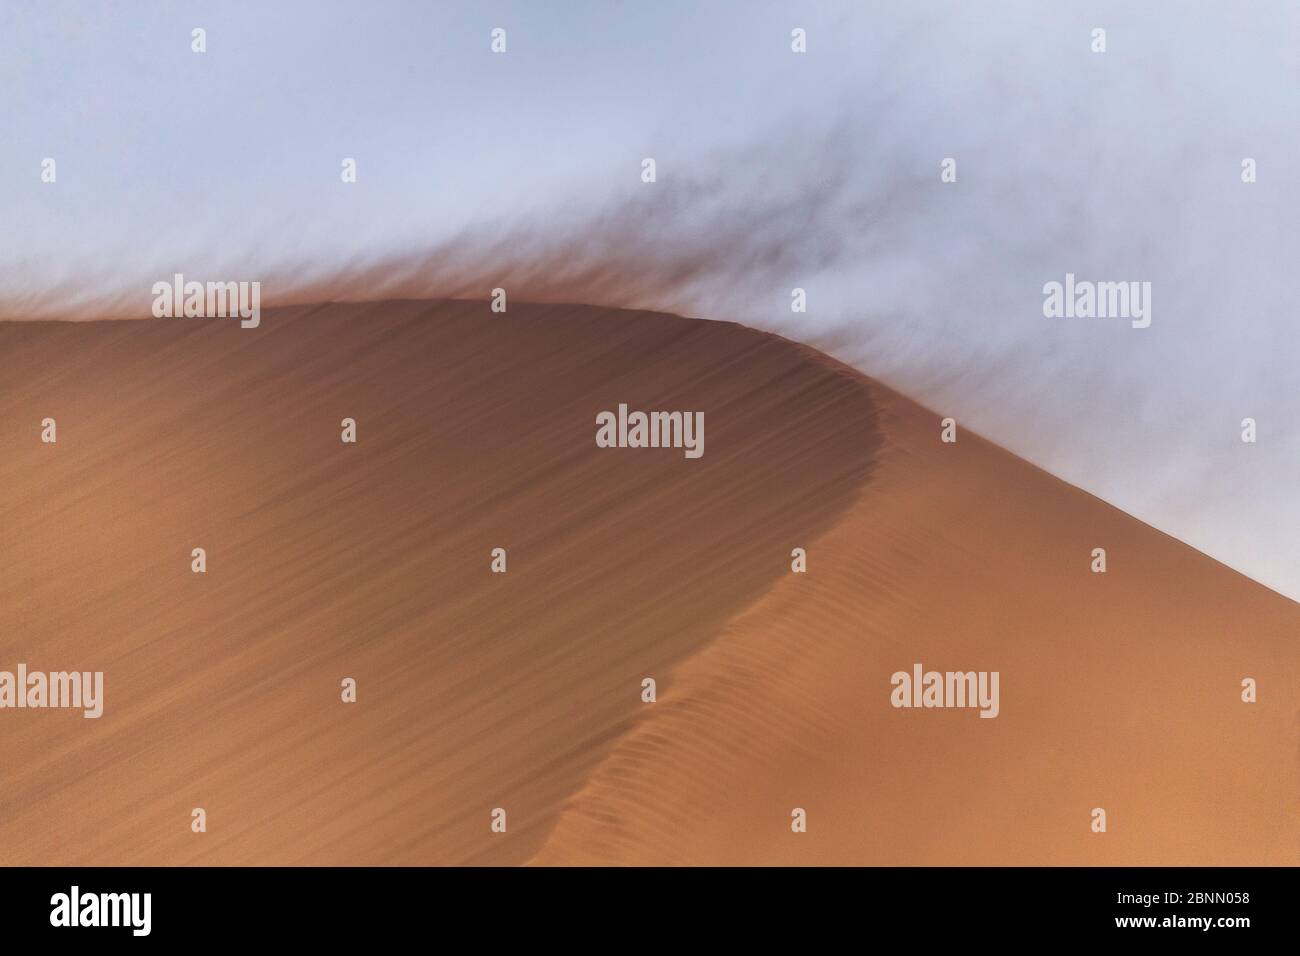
{"x":775,"y":170}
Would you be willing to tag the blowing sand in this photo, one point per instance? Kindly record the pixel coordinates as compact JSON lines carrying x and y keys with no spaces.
{"x":523,"y":690}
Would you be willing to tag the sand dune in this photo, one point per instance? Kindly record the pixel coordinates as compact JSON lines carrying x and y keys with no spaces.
{"x":522,"y":690}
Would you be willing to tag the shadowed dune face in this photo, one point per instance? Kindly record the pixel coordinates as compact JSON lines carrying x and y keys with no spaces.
{"x":522,"y":690}
{"x":1118,"y":690}
{"x":372,"y":561}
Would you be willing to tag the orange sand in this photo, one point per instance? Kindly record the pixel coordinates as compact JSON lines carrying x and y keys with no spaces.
{"x":522,"y":690}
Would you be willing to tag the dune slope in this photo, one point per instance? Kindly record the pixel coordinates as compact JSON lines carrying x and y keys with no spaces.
{"x":1118,"y":690}
{"x":325,"y":560}
{"x":523,"y":690}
